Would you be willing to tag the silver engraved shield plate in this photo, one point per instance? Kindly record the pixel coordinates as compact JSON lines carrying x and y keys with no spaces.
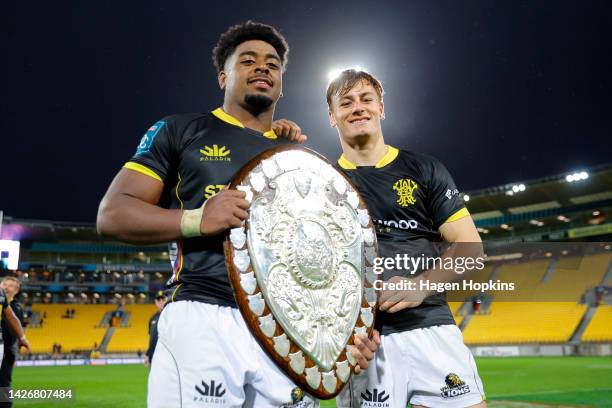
{"x":306,"y":239}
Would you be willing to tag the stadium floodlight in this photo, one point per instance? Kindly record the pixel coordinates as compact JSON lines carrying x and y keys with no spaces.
{"x":518,"y":188}
{"x":577,"y":176}
{"x":335,"y":73}
{"x":466,"y":197}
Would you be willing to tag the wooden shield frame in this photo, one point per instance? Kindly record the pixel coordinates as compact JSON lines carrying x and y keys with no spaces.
{"x":345,"y":362}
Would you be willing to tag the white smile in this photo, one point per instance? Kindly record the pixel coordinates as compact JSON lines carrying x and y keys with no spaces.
{"x":261,"y":84}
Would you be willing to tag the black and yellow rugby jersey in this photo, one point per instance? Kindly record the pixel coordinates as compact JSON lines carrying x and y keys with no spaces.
{"x":409,"y":197}
{"x":195,"y":156}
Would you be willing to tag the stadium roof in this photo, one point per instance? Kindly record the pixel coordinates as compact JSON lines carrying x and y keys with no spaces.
{"x":543,"y":194}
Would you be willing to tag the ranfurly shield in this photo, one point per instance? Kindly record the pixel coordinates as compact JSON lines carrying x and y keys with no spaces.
{"x":301,"y":266}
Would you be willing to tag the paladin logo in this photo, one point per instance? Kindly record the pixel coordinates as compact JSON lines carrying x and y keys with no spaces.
{"x":209,"y":393}
{"x":374,"y":398}
{"x":215,"y":153}
{"x":454,"y":386}
{"x":404,"y":189}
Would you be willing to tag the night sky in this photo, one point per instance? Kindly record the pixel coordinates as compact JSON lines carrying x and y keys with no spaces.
{"x":500,"y":91}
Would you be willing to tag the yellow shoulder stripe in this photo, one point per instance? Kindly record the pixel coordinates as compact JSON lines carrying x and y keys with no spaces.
{"x":142,"y":169}
{"x":227,"y":118}
{"x":389,"y":156}
{"x":462,"y":213}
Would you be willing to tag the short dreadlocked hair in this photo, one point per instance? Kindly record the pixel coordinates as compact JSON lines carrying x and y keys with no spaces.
{"x":250,"y":30}
{"x":348,"y":79}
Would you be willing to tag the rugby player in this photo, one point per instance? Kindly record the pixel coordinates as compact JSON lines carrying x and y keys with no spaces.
{"x":172,"y":190}
{"x":422,"y":359}
{"x":11,"y":286}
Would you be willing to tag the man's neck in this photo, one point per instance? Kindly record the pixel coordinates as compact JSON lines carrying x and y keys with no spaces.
{"x":365,"y":153}
{"x":261,"y":123}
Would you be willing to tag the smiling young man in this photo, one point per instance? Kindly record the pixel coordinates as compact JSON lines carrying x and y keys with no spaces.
{"x":205,"y":356}
{"x":414,"y":202}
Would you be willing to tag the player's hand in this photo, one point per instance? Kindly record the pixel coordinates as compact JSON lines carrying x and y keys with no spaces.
{"x":289,"y":130}
{"x":23,"y":342}
{"x":226,"y":209}
{"x":392,"y":301}
{"x":147,"y":363}
{"x":364,"y":350}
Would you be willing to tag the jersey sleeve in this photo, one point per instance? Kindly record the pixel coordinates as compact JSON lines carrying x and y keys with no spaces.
{"x":445,"y":202}
{"x":155,"y":152}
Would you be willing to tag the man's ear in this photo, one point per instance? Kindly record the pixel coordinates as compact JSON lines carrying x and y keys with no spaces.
{"x":222,"y":78}
{"x":382,"y":109}
{"x":332,"y":121}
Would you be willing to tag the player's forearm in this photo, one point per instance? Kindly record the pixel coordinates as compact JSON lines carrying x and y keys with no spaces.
{"x":132,"y":220}
{"x":461,"y":250}
{"x":13,"y":323}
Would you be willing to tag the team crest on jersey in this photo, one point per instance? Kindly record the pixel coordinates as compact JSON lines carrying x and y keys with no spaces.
{"x":215,"y":153}
{"x":454,"y":386}
{"x":147,"y":140}
{"x":405,"y":191}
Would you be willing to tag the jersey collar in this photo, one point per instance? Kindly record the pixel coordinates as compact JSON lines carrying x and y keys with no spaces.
{"x":391,"y":155}
{"x":227,"y":118}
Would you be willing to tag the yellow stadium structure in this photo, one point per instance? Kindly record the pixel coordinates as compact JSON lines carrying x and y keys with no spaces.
{"x":600,"y":328}
{"x":135,"y":337}
{"x":572,"y":276}
{"x":77,"y":333}
{"x":525,"y":322}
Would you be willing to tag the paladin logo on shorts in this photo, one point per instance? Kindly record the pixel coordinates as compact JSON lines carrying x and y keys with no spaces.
{"x":405,"y":189}
{"x":215,"y":153}
{"x":210,"y":393}
{"x":374,"y":398}
{"x":454,"y":386}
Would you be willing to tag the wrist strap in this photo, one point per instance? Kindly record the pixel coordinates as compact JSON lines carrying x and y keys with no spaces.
{"x":191,"y":221}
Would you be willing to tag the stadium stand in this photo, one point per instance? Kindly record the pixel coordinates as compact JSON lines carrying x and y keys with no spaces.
{"x":600,"y":328}
{"x":135,"y":337}
{"x":454,"y":307}
{"x":572,"y":276}
{"x":532,"y":319}
{"x":525,"y":275}
{"x":73,"y":334}
{"x":525,"y":322}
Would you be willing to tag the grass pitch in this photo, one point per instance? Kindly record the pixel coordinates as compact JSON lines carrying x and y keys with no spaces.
{"x":543,"y":381}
